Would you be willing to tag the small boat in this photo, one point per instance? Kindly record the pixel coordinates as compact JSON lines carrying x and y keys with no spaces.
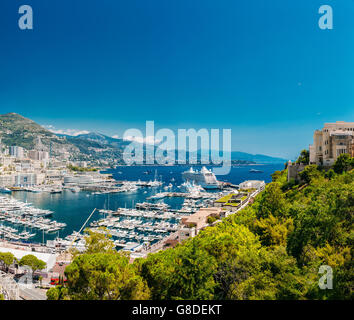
{"x":4,"y":190}
{"x":75,"y":189}
{"x":56,"y":191}
{"x":256,"y":171}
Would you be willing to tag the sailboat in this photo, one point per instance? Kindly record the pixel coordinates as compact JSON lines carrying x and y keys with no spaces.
{"x":155,"y":183}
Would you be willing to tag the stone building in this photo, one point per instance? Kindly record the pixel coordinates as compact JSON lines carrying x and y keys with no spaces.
{"x":294,"y":169}
{"x":332,"y":141}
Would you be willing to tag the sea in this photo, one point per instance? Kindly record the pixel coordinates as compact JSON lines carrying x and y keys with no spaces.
{"x":74,"y":208}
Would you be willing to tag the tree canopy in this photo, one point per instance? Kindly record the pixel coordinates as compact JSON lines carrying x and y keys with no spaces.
{"x":272,"y":249}
{"x":7,"y":259}
{"x":101,"y":273}
{"x":33,"y":262}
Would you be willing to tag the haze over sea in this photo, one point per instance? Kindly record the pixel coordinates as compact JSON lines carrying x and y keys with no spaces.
{"x":74,"y":208}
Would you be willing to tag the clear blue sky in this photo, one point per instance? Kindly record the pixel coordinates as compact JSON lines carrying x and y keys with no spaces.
{"x":262,"y":68}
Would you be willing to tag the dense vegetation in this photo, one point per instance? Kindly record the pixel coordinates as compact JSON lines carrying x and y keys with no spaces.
{"x":80,"y":169}
{"x":270,"y":250}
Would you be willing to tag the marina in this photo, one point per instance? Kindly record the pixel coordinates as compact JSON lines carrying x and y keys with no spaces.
{"x":18,"y":213}
{"x":142,"y":216}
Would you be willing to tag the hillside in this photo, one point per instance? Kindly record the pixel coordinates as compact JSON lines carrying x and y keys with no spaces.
{"x":257,"y":158}
{"x":19,"y":131}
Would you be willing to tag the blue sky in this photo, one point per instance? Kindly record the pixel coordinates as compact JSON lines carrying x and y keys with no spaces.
{"x":262,"y":68}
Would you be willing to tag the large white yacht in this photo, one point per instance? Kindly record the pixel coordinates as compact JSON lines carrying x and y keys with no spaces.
{"x":205,"y":178}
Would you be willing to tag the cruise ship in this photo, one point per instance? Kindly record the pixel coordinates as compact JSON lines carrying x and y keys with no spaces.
{"x":205,"y":178}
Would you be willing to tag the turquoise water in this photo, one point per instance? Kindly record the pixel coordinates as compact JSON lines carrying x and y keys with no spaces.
{"x":74,"y":208}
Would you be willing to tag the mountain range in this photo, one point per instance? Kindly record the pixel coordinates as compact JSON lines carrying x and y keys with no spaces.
{"x":20,"y":131}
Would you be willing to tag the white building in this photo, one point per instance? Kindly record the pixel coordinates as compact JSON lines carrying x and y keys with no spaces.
{"x":332,"y":141}
{"x":38,"y":155}
{"x":82,"y":179}
{"x":252,"y":184}
{"x":7,"y":180}
{"x":17,"y":152}
{"x":29,"y":179}
{"x":6,"y":161}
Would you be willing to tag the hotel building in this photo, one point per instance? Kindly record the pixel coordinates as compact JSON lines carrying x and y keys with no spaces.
{"x":332,"y":141}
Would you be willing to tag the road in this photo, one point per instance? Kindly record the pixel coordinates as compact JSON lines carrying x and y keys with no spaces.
{"x":32,"y":294}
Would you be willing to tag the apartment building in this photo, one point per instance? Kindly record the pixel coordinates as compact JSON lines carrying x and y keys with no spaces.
{"x":29,"y":179}
{"x":38,"y":155}
{"x":7,"y":180}
{"x":17,"y":152}
{"x":332,"y":141}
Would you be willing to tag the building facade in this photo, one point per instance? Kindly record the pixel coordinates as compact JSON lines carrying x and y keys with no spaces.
{"x":17,"y":152}
{"x":191,"y":225}
{"x":332,"y":141}
{"x":38,"y":155}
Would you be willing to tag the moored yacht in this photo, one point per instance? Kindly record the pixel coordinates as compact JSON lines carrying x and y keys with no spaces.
{"x":4,"y":190}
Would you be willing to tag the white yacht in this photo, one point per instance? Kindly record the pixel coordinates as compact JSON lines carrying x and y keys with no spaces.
{"x":4,"y":190}
{"x":75,"y":189}
{"x":205,"y":178}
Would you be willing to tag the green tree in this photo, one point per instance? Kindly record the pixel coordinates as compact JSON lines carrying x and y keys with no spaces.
{"x":7,"y":259}
{"x":274,"y":231}
{"x":58,"y":293}
{"x":343,"y":163}
{"x":310,"y":173}
{"x":185,"y":272}
{"x":272,"y":202}
{"x":275,"y":276}
{"x":211,"y":219}
{"x":98,"y":241}
{"x":104,"y":276}
{"x":304,"y":157}
{"x":330,"y":174}
{"x":33,"y":262}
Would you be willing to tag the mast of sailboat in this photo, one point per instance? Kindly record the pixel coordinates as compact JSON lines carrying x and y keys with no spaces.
{"x":155,"y":178}
{"x":82,"y":228}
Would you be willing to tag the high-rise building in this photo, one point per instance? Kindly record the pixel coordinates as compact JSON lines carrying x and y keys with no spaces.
{"x":38,"y":155}
{"x":330,"y":142}
{"x":17,"y":152}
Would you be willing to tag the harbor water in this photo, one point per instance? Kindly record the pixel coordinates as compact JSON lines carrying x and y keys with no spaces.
{"x":73,"y":208}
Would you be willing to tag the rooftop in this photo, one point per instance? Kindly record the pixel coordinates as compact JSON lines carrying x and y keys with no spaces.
{"x":200,"y":216}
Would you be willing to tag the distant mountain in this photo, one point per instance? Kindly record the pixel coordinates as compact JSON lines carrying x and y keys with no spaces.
{"x":257,"y":158}
{"x":98,"y":137}
{"x":23,"y":132}
{"x":239,"y":157}
{"x":16,"y":130}
{"x":99,"y":146}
